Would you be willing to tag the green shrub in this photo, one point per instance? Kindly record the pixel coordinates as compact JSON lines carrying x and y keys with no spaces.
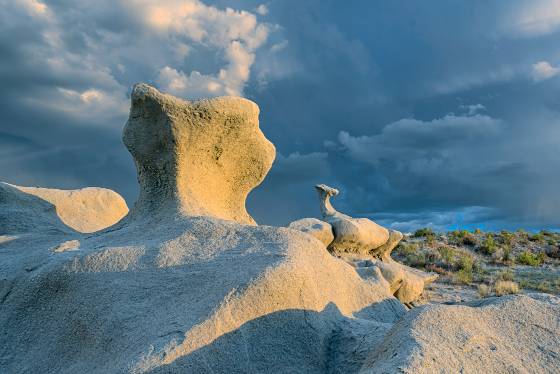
{"x":447,"y":254}
{"x":529,"y":258}
{"x":522,"y":235}
{"x":463,"y":237}
{"x":406,"y":249}
{"x":507,"y":237}
{"x":463,"y":277}
{"x":539,"y":238}
{"x":416,"y":259}
{"x":489,"y":246}
{"x":506,"y":257}
{"x":506,"y":275}
{"x":424,"y":233}
{"x":465,"y":262}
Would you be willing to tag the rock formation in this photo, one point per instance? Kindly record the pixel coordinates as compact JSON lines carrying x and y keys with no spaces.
{"x":186,"y":284}
{"x":353,"y":235}
{"x":199,"y":158}
{"x":356,"y":239}
{"x":314,"y":227}
{"x":32,"y":209}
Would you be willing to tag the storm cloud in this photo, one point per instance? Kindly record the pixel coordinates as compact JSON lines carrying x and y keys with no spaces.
{"x":445,"y":114}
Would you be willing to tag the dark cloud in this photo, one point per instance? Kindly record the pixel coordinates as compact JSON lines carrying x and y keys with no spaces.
{"x":444,"y":113}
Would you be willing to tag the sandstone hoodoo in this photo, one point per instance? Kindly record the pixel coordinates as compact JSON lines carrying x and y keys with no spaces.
{"x":354,"y":235}
{"x":188,"y":283}
{"x":359,"y":239}
{"x":199,"y":158}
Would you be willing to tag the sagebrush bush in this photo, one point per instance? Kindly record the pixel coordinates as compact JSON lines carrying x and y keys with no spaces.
{"x":505,"y":275}
{"x":538,"y":237}
{"x":464,"y":262}
{"x":503,"y":287}
{"x":483,"y":290}
{"x":406,"y":249}
{"x":463,"y":237}
{"x":506,"y":237}
{"x":522,"y":236}
{"x":529,"y":258}
{"x":447,"y":254}
{"x":463,"y":277}
{"x":506,"y":257}
{"x":424,"y":233}
{"x":489,"y":245}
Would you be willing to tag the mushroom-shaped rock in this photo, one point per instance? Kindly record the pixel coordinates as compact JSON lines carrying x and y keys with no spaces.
{"x":356,"y":235}
{"x":190,"y":157}
{"x":314,"y":227}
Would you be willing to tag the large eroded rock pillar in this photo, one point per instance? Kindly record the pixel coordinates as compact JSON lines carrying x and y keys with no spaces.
{"x":195,"y":158}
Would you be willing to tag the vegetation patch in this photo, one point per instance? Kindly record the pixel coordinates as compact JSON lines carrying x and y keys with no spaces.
{"x":529,"y":258}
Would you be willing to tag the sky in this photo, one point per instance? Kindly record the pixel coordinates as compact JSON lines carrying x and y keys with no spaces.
{"x":443,"y":113}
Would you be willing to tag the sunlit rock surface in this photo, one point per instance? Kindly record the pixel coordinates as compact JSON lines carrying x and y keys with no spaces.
{"x":314,"y":227}
{"x":32,"y":209}
{"x":196,"y":158}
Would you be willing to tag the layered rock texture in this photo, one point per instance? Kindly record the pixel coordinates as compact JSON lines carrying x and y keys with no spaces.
{"x":188,"y":284}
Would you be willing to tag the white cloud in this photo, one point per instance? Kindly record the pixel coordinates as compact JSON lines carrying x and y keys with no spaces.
{"x":468,"y":80}
{"x":262,"y":10}
{"x":421,"y":147}
{"x":195,"y":84}
{"x":235,"y":34}
{"x":534,"y":18}
{"x":34,"y":7}
{"x":90,"y":58}
{"x":543,"y":70}
{"x":472,"y":109}
{"x":85,"y":106}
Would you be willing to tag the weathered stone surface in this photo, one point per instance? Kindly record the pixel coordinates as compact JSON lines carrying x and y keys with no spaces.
{"x":363,"y":237}
{"x":32,"y":209}
{"x":510,"y":334}
{"x":198,"y":158}
{"x":384,"y":251}
{"x":358,"y":235}
{"x":314,"y":227}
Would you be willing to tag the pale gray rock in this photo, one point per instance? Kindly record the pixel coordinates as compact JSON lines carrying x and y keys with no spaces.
{"x":33,"y":209}
{"x":510,"y":334}
{"x":355,"y":238}
{"x":69,"y":245}
{"x":314,"y":227}
{"x":354,"y":235}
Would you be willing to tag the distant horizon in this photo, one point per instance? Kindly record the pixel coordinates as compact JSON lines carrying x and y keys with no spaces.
{"x":440,"y":114}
